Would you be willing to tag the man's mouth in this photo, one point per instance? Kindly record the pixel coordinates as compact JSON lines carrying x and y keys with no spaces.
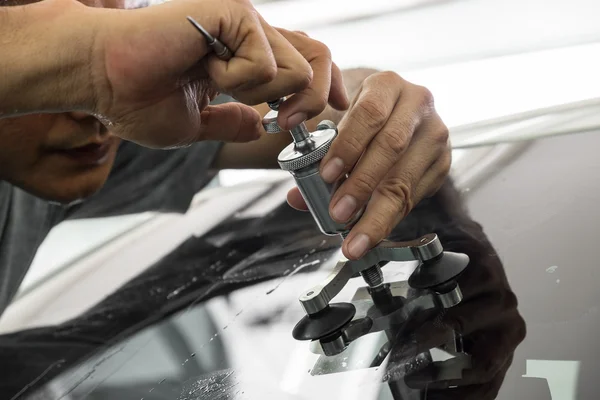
{"x":90,"y":154}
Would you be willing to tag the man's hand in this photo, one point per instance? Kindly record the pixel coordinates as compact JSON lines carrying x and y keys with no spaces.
{"x":396,"y":150}
{"x":327,"y":86}
{"x":149,"y":75}
{"x":154,"y":88}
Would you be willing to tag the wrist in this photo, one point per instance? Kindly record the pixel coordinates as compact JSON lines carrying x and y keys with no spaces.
{"x":49,"y":56}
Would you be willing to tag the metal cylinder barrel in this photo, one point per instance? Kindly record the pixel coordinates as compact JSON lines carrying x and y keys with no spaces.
{"x":317,"y":194}
{"x":302,"y":159}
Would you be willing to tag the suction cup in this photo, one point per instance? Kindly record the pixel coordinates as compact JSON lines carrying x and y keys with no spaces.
{"x":327,"y":321}
{"x":445,"y":268}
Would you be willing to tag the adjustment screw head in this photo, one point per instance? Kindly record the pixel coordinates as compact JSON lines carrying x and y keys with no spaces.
{"x":326,"y":124}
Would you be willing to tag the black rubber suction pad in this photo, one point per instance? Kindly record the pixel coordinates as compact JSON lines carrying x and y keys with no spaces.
{"x":442,"y":269}
{"x":327,"y":321}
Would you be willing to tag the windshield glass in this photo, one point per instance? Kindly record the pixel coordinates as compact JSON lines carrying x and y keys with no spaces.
{"x":214,"y":317}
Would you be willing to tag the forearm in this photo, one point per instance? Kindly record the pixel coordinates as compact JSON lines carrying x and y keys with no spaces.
{"x":45,"y":63}
{"x":263,"y":152}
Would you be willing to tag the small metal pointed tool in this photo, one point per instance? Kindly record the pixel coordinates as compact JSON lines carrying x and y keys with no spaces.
{"x":220,"y":50}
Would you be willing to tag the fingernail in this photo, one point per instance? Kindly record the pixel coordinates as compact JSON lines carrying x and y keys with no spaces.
{"x":344,"y":209}
{"x":332,"y":170}
{"x":296,"y":119}
{"x":359,"y":245}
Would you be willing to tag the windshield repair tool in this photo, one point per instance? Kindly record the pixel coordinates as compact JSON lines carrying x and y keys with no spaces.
{"x":334,"y":326}
{"x":220,"y":50}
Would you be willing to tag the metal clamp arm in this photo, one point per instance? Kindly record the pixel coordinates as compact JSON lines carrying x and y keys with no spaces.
{"x":317,"y":298}
{"x":423,"y":249}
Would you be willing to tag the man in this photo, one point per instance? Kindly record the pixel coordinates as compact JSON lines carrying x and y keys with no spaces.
{"x":56,"y":166}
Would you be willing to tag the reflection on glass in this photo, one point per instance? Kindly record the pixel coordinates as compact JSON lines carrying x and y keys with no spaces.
{"x":160,"y":337}
{"x":474,"y":341}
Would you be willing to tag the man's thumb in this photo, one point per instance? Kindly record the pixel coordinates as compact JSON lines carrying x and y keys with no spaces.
{"x":231,"y":122}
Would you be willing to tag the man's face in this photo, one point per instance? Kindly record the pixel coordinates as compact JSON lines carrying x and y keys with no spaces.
{"x":58,"y":157}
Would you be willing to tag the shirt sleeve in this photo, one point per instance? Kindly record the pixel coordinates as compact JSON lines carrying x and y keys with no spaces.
{"x":145,"y":179}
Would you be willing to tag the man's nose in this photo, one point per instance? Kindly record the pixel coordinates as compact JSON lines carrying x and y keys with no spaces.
{"x":76,"y":115}
{"x":88,"y":120}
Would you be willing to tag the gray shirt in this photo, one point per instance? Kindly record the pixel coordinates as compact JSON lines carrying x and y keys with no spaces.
{"x":141,"y":180}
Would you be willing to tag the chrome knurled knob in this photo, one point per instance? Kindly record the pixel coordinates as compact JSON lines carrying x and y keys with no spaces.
{"x":270,"y":124}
